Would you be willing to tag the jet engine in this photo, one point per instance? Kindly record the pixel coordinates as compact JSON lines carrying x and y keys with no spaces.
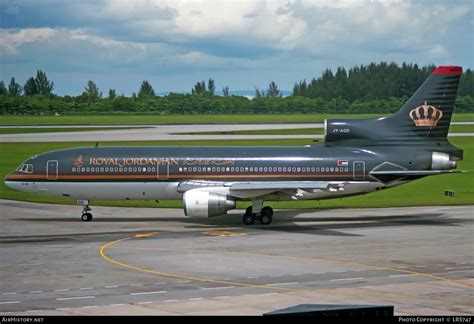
{"x":200,"y":203}
{"x":442,"y":161}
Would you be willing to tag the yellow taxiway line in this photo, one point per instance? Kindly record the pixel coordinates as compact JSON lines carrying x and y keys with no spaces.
{"x":206,"y":280}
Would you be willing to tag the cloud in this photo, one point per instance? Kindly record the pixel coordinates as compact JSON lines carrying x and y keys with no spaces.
{"x":11,"y":40}
{"x":264,"y":39}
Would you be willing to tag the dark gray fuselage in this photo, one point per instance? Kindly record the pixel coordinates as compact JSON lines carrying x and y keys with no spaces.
{"x":315,"y":162}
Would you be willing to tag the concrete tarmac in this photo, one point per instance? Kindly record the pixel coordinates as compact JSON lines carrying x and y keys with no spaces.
{"x":138,"y":261}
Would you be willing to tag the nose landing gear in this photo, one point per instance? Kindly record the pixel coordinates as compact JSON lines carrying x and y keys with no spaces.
{"x":86,"y":216}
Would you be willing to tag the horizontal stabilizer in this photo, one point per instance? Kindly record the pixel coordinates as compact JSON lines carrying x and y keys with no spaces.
{"x":413,"y":172}
{"x":387,"y":176}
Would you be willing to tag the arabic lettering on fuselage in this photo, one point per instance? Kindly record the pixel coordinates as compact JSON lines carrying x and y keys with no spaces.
{"x":208,"y":162}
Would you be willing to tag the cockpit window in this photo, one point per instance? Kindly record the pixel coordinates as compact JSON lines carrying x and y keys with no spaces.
{"x":25,"y":168}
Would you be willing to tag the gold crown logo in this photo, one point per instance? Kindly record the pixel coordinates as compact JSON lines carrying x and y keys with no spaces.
{"x":425,"y":115}
{"x":78,"y":162}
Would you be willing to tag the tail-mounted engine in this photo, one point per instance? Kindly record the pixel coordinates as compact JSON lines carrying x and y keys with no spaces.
{"x":442,"y":161}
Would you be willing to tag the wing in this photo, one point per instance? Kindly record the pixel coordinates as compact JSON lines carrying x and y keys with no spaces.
{"x":252,"y":189}
{"x":392,"y":175}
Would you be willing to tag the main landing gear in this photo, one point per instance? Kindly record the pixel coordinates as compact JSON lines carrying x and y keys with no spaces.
{"x":86,"y":216}
{"x":265,"y":216}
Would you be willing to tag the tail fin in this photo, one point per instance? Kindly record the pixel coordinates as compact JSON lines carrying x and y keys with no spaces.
{"x":423,"y":121}
{"x":428,"y":112}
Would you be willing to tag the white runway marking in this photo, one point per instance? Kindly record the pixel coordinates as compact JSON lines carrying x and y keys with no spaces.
{"x":346,"y":279}
{"x":117,"y":305}
{"x":10,"y":302}
{"x":170,"y":300}
{"x":460,"y":271}
{"x":200,"y":298}
{"x":87,"y":288}
{"x":35,"y":291}
{"x":59,"y":290}
{"x":108,"y":287}
{"x":10,"y":293}
{"x":215,"y":288}
{"x":398,"y":276}
{"x":283,"y":283}
{"x":144,"y":303}
{"x":149,"y":292}
{"x":72,"y":298}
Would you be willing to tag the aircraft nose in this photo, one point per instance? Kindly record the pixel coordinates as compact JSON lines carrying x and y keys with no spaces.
{"x":8,"y":181}
{"x":8,"y":177}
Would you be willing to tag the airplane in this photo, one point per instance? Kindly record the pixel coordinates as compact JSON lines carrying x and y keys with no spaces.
{"x":358,"y":156}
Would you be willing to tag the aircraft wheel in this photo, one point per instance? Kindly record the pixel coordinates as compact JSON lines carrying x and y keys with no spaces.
{"x":265,"y":219}
{"x":86,"y":217}
{"x":266,"y":216}
{"x":267,"y":210}
{"x":248,"y":219}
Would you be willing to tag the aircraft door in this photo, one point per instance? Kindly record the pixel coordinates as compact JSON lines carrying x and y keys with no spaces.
{"x":163,"y":171}
{"x":52,"y":170}
{"x":359,"y":170}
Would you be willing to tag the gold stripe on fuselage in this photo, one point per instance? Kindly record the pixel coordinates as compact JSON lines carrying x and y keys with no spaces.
{"x":33,"y":177}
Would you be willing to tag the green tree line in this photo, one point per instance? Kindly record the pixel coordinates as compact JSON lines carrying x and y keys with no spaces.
{"x":374,"y":81}
{"x":375,"y":88}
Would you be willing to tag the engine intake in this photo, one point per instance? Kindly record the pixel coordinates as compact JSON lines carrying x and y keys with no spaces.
{"x":200,"y":203}
{"x":442,"y":161}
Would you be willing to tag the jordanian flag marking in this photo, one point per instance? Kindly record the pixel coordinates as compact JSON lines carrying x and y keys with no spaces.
{"x":342,"y":163}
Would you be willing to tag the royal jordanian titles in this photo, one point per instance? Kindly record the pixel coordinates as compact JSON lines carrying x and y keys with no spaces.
{"x":358,"y":156}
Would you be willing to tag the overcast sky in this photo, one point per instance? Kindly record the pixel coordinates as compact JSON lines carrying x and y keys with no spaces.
{"x":240,"y":44}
